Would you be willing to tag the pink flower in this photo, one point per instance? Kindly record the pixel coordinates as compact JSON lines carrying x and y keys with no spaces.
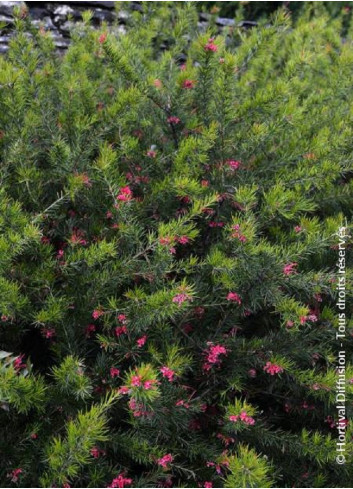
{"x":245,"y":418}
{"x":173,"y":119}
{"x":289,"y":269}
{"x":125,"y":194}
{"x":97,"y":313}
{"x":114,"y":372}
{"x":122,"y":318}
{"x":208,"y":484}
{"x":120,"y":481}
{"x":252,"y":373}
{"x":34,"y":436}
{"x":109,"y":215}
{"x":297,"y":229}
{"x":211,"y":46}
{"x":189,"y":84}
{"x":273,"y":369}
{"x":15,"y":474}
{"x":102,"y":38}
{"x":48,"y":332}
{"x":233,"y":164}
{"x":183,"y":240}
{"x":151,"y":153}
{"x":123,"y":389}
{"x":18,"y":363}
{"x":289,"y":324}
{"x":215,"y":224}
{"x":168,"y":373}
{"x":165,"y":241}
{"x":157,"y":83}
{"x":141,"y":341}
{"x":165,"y":460}
{"x":95,"y":452}
{"x":237,"y":233}
{"x":136,"y":380}
{"x":90,"y":328}
{"x":148,"y":384}
{"x":249,"y":420}
{"x":119,"y":330}
{"x":180,"y":298}
{"x":234,"y":297}
{"x":212,"y":356}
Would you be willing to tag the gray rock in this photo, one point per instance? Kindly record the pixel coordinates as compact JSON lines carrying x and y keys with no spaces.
{"x":67,"y":26}
{"x":38,"y":13}
{"x":6,"y":19}
{"x":6,"y":8}
{"x":108,"y":5}
{"x":104,"y":15}
{"x":63,"y":10}
{"x":247,"y":24}
{"x":221,"y":21}
{"x":60,"y":42}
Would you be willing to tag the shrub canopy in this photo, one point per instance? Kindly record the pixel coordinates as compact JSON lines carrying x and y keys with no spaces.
{"x":170,"y":202}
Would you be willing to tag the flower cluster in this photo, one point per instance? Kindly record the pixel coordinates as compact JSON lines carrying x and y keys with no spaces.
{"x":213,"y":355}
{"x":243,"y":418}
{"x":234,"y":297}
{"x":290,"y":268}
{"x":121,"y":481}
{"x":237,"y":233}
{"x":272,"y":368}
{"x":168,"y":373}
{"x":125,"y":194}
{"x":165,"y":460}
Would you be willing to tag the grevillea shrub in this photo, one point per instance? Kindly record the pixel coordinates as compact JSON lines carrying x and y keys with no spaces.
{"x":171,"y":204}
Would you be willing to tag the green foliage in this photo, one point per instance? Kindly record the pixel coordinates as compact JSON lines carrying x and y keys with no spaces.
{"x":247,"y":469}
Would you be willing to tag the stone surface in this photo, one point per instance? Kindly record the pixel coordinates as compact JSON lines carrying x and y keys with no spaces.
{"x":6,"y":8}
{"x":59,"y":18}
